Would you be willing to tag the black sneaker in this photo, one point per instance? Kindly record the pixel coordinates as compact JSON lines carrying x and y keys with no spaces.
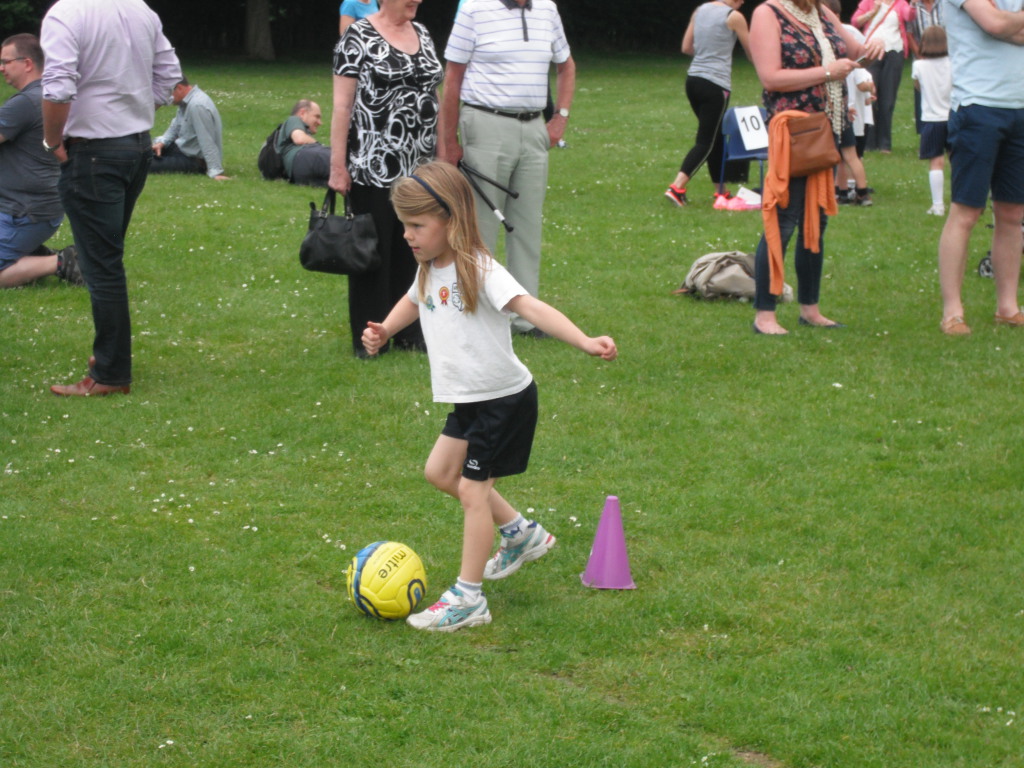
{"x":67,"y":265}
{"x":676,"y":195}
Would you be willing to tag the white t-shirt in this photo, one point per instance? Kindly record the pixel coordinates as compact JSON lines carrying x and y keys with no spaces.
{"x":864,"y":113}
{"x":886,"y":27}
{"x":936,"y":79}
{"x":857,"y":99}
{"x":471,"y":356}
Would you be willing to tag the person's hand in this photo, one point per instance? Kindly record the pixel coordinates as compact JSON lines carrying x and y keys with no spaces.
{"x":221,"y":177}
{"x":158,"y":148}
{"x":450,"y":152}
{"x":374,"y":337}
{"x":874,"y":49}
{"x":840,"y":68}
{"x":61,"y":153}
{"x":601,"y":346}
{"x":556,"y":129}
{"x":340,"y":180}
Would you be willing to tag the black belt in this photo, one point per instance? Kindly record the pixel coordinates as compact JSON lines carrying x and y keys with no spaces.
{"x":523,"y":117}
{"x":69,"y":140}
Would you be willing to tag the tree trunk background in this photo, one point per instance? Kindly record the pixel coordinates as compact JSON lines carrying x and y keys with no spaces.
{"x":258,"y":42}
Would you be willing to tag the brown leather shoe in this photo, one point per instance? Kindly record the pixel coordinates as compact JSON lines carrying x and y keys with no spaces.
{"x":1015,"y":320}
{"x":88,"y":387}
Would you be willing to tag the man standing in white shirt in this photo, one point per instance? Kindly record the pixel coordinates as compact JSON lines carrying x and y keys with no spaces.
{"x":499,"y":54}
{"x":108,"y":65}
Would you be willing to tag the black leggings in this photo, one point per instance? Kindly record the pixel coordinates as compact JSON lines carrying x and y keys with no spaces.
{"x":372,"y":295}
{"x":709,"y":102}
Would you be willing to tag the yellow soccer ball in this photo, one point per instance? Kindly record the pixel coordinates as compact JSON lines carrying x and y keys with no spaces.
{"x":386,"y":580}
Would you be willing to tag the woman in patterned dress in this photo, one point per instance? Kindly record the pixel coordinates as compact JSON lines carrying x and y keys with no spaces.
{"x":802,"y":56}
{"x":384,"y":125}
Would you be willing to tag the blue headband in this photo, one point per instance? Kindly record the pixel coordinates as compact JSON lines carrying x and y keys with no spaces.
{"x":432,"y":193}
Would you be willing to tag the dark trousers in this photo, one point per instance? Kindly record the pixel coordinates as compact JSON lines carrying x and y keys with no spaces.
{"x":99,"y":185}
{"x":173,"y":160}
{"x":808,"y":265}
{"x":372,"y":295}
{"x":311,"y":165}
{"x":709,"y":102}
{"x":887,"y":74}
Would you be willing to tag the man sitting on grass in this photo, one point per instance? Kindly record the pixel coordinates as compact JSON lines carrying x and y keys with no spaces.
{"x":193,"y":141}
{"x":306,"y":160}
{"x":30,"y":209}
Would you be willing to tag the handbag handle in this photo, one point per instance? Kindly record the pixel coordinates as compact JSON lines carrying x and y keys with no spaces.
{"x":327,"y":209}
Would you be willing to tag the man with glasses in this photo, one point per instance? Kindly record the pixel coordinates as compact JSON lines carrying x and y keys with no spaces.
{"x":30,"y":209}
{"x":107,"y":65}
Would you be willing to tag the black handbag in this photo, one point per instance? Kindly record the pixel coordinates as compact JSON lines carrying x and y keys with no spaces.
{"x":340,"y":245}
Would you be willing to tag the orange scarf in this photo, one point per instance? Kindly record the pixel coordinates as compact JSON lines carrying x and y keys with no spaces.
{"x":820,"y":195}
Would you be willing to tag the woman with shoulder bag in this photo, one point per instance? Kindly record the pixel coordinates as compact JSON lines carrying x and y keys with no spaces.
{"x":384,"y":125}
{"x":802,"y":56}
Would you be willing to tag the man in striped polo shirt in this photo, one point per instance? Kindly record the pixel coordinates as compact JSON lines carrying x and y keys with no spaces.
{"x":498,"y":57}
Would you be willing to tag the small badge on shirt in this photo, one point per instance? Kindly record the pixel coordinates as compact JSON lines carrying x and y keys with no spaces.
{"x":443,"y":294}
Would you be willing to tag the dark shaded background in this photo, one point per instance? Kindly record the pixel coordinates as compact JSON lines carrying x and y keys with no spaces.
{"x":309,"y":28}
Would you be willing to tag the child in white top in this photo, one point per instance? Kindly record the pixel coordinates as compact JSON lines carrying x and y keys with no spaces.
{"x":933,"y":77}
{"x":463,"y":299}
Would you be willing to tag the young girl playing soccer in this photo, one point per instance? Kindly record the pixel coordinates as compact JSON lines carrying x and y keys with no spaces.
{"x":463,"y":298}
{"x":933,"y":77}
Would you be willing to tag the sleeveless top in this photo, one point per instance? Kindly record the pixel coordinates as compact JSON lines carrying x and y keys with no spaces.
{"x":800,"y":51}
{"x":713,"y":44}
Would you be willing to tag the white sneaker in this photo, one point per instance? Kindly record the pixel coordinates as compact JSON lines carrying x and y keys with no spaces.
{"x":937,"y":210}
{"x":510,"y":557}
{"x":452,"y":612}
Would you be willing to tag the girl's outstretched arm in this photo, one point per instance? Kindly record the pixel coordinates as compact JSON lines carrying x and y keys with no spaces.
{"x":376,"y":335}
{"x":554,"y":323}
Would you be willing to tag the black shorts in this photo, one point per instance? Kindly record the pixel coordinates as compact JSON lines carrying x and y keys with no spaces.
{"x":499,"y":432}
{"x":933,"y":140}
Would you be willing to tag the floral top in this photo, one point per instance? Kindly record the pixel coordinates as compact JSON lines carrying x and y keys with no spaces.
{"x":800,"y":51}
{"x":394,"y":116}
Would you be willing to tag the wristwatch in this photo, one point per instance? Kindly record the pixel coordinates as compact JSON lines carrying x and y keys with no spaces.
{"x":563,"y":113}
{"x":48,"y":148}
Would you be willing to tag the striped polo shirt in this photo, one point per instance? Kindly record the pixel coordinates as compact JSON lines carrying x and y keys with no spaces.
{"x":507,"y":50}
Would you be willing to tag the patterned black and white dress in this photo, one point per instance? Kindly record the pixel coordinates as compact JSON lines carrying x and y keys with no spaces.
{"x":394,"y":117}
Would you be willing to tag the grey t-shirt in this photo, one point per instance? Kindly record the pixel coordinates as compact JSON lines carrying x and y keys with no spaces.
{"x":713,"y":43}
{"x":28,"y":171}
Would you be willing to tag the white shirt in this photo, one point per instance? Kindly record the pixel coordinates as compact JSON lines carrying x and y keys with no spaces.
{"x":471,"y":356}
{"x":507,"y":50}
{"x":110,"y":59}
{"x":936,"y":79}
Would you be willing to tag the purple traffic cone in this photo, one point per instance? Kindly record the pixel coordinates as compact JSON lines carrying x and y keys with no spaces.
{"x":608,"y":566}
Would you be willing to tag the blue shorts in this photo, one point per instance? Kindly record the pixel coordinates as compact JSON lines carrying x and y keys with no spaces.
{"x":20,"y":236}
{"x":933,"y":140}
{"x":846,"y":139}
{"x":986,"y":153}
{"x":499,"y":433}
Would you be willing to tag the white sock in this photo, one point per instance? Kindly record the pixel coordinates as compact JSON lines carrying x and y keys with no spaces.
{"x":470,"y":590}
{"x":515,"y":529}
{"x":936,"y":181}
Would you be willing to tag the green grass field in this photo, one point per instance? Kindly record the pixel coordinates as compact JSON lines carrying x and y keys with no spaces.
{"x":824,"y":530}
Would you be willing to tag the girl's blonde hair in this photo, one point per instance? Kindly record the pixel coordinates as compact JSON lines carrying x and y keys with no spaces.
{"x":439,"y":189}
{"x":933,"y":43}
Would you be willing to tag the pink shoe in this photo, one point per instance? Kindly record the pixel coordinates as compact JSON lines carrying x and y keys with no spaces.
{"x":736,"y":204}
{"x":722,"y":202}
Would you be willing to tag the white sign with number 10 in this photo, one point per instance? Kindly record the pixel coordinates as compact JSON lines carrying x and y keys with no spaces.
{"x":752,"y":128}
